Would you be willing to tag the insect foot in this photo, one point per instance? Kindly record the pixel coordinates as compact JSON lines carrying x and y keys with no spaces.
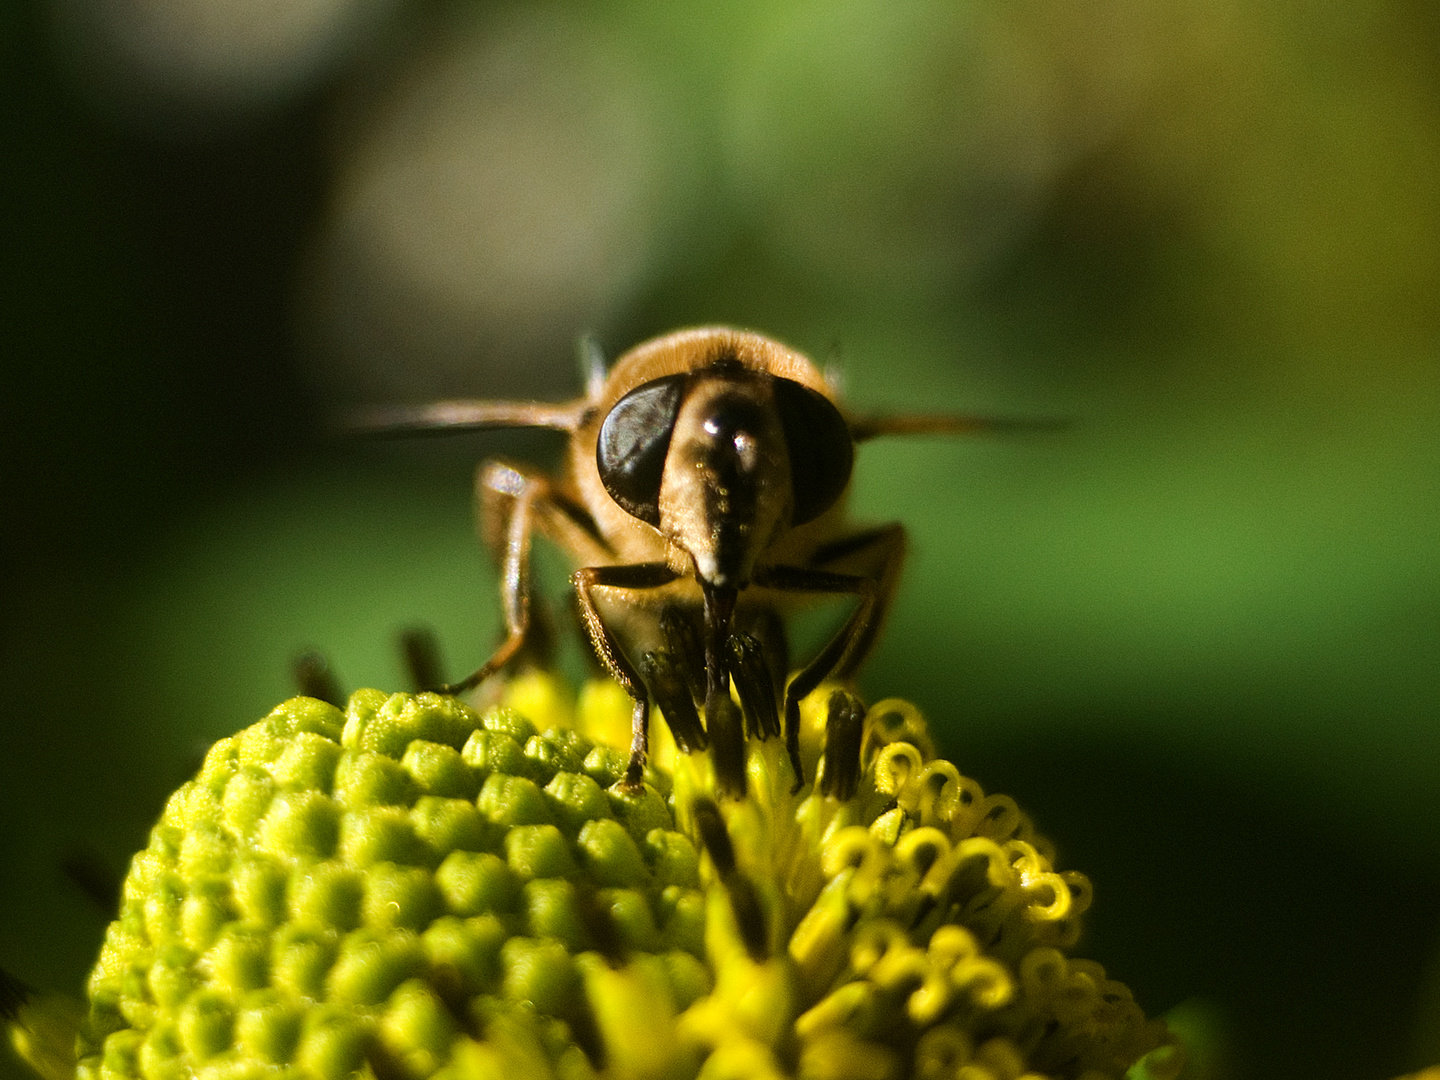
{"x":407,"y":889}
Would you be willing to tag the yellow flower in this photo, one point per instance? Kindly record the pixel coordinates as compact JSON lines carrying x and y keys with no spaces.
{"x":411,"y":889}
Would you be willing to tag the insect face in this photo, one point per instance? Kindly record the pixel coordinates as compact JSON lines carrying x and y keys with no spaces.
{"x":725,"y":492}
{"x":713,"y":425}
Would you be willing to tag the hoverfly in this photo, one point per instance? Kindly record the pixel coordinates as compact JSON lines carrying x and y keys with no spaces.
{"x":703,"y":493}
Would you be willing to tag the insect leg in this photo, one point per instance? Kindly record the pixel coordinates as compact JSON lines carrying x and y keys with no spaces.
{"x":755,"y":682}
{"x":843,"y":653}
{"x":723,"y":721}
{"x":682,"y":637}
{"x":514,"y":504}
{"x":664,"y":680}
{"x":607,"y":648}
{"x":557,"y":517}
{"x":500,"y":484}
{"x":674,"y":674}
{"x":874,"y":553}
{"x":804,"y":579}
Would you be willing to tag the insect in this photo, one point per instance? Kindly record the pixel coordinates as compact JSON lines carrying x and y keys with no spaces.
{"x":701,"y":498}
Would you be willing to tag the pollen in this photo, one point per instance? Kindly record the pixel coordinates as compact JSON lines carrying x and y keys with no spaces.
{"x":411,"y":889}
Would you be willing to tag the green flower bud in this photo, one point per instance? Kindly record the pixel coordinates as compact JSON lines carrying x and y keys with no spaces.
{"x":412,"y":890}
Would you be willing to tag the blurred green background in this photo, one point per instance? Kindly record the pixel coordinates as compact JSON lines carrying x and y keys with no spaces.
{"x":1196,"y":634}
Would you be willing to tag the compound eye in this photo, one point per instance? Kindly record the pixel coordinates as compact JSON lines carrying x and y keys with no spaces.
{"x":634,"y":441}
{"x":821,"y":450}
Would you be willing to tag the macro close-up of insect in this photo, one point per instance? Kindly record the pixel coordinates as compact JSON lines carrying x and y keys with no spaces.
{"x":702,"y":498}
{"x":1007,"y":459}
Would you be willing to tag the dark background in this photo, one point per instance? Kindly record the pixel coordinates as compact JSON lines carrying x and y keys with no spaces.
{"x":1195,"y":633}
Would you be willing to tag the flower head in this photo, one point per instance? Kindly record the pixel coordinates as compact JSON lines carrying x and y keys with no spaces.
{"x":413,"y":889}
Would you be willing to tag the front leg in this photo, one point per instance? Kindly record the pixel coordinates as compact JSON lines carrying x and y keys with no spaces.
{"x":876,"y":553}
{"x":845,"y":651}
{"x":511,"y":498}
{"x":514,"y":503}
{"x":607,"y":648}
